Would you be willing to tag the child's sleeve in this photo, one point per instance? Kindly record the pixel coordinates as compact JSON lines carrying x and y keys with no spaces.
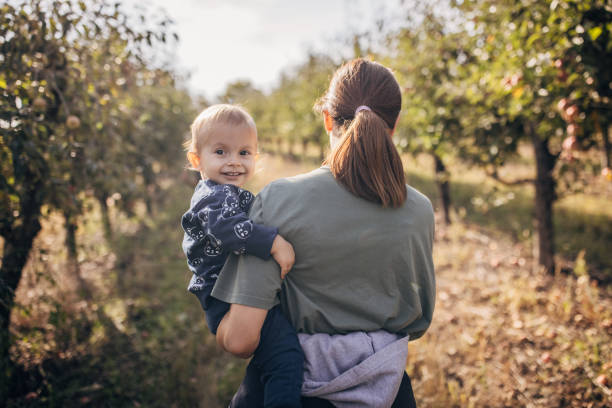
{"x":227,"y":223}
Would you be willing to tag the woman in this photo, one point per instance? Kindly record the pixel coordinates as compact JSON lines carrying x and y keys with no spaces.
{"x":363,"y":243}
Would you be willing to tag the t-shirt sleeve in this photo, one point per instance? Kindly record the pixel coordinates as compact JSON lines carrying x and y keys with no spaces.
{"x":249,"y":280}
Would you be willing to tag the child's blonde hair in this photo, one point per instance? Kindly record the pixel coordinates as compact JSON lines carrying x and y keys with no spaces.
{"x":220,"y":114}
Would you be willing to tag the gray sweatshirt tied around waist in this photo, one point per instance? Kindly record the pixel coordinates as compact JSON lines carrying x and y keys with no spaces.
{"x":357,"y":370}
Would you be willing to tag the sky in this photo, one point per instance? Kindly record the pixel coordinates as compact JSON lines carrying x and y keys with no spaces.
{"x":223,"y":41}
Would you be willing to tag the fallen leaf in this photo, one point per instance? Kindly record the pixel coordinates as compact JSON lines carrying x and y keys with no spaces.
{"x":602,"y":380}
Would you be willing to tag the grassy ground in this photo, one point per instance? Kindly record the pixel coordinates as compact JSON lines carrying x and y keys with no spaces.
{"x":503,"y":333}
{"x":583,"y":222}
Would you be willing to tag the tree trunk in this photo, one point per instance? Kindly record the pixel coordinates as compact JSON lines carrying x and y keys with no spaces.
{"x":279,"y":146}
{"x":545,"y":196}
{"x":605,"y":133}
{"x":304,"y":148}
{"x":149,"y":189}
{"x":15,"y":254}
{"x":70,"y":224}
{"x":290,"y":151}
{"x":443,"y":186}
{"x":106,"y":222}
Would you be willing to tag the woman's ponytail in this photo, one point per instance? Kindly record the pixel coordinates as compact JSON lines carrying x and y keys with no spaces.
{"x":364,"y":101}
{"x":367,"y":163}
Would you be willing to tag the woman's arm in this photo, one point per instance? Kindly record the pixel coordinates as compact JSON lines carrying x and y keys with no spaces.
{"x":238,"y":333}
{"x":251,"y":285}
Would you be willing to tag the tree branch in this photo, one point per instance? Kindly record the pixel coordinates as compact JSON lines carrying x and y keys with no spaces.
{"x":494,"y":175}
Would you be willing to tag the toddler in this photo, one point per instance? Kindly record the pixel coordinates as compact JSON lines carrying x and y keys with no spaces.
{"x":223,"y":148}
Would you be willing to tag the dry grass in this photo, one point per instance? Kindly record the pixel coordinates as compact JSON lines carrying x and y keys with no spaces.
{"x":506,"y":336}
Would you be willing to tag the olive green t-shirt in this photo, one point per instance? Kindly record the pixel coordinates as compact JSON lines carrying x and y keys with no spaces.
{"x":358,"y":266}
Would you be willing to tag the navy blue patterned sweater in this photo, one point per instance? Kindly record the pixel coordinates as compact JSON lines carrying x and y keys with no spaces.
{"x":217,"y":224}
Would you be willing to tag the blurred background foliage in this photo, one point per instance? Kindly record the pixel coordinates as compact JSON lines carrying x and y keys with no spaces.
{"x":505,"y":126}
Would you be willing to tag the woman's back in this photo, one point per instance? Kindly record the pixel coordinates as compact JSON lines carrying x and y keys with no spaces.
{"x":359,"y":266}
{"x":363,"y":243}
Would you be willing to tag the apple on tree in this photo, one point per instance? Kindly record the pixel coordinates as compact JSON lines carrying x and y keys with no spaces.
{"x":73,"y":122}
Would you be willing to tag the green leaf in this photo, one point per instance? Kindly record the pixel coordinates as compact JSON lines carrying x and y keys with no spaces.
{"x":595,"y":32}
{"x":532,"y":38}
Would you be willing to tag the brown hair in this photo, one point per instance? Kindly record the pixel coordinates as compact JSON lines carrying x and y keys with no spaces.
{"x":365,"y":160}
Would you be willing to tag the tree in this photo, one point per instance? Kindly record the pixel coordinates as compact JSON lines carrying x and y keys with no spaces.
{"x":427,"y":60}
{"x":486,"y":76}
{"x":285,"y":114}
{"x":530,"y":56}
{"x":292,"y":117}
{"x":63,"y":63}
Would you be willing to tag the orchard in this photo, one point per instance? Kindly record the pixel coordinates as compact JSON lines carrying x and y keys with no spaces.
{"x":505,"y":125}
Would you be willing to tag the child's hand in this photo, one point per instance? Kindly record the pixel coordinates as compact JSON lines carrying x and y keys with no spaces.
{"x":283,"y":254}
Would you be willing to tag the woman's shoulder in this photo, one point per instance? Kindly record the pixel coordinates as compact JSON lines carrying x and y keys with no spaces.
{"x":419,"y":206}
{"x":298,"y":183}
{"x":415,"y":197}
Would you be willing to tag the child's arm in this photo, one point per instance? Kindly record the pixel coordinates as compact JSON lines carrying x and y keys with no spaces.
{"x":226,"y":224}
{"x":283,"y":254}
{"x":223,"y":222}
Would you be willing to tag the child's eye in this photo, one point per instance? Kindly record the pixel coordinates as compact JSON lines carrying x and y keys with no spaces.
{"x":244,"y":152}
{"x":219,"y":151}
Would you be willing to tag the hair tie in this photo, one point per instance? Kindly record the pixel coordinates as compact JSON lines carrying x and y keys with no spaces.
{"x":362,"y":107}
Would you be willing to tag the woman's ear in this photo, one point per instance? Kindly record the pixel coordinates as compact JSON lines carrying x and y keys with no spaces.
{"x":194,"y":160}
{"x":328,"y":121}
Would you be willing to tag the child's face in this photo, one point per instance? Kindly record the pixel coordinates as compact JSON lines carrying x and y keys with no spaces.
{"x":228,"y":155}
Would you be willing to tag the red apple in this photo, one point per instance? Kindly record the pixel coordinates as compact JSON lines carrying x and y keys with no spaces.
{"x":515,"y":79}
{"x":73,"y":122}
{"x":569,"y":143}
{"x":562,"y":104}
{"x":39,"y":104}
{"x":572,"y":130}
{"x":562,"y":75}
{"x":506,"y":83}
{"x":571,"y":112}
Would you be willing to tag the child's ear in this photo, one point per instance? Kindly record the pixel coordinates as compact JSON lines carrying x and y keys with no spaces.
{"x":194,"y":160}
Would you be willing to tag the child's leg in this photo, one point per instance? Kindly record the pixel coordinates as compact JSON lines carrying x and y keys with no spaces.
{"x":250,"y":394}
{"x":214,"y":309}
{"x":281,"y":361}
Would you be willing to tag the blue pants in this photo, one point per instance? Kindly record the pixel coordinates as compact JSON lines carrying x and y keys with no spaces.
{"x":251,"y":393}
{"x":279,"y":359}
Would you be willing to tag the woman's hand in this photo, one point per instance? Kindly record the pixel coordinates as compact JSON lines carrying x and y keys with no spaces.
{"x":283,"y":254}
